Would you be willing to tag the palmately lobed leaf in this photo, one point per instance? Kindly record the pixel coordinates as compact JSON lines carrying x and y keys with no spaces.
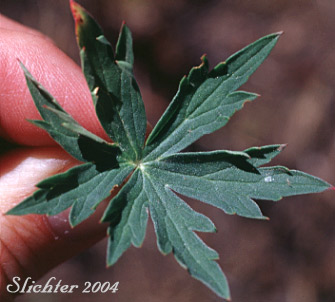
{"x":61,"y":126}
{"x":127,"y":216}
{"x":115,"y":93}
{"x":152,"y":172}
{"x":206,"y":100}
{"x":82,"y":187}
{"x":232,"y":180}
{"x":175,"y":223}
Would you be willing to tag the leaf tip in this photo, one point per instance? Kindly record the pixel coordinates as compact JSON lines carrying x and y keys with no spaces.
{"x":281,"y":147}
{"x":73,"y":222}
{"x":110,"y":261}
{"x":124,"y":26}
{"x":23,"y":67}
{"x":77,"y":13}
{"x":75,"y":9}
{"x":332,"y":188}
{"x":277,"y":35}
{"x":108,"y":265}
{"x":95,"y":91}
{"x":9,"y":212}
{"x":204,"y":62}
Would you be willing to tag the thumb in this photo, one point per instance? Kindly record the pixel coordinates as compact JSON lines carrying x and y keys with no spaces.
{"x":33,"y":244}
{"x":54,"y":70}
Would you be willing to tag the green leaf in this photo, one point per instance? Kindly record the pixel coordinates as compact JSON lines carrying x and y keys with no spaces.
{"x":127,"y":215}
{"x":262,"y":155}
{"x":62,"y":127}
{"x":152,"y":173}
{"x":96,"y":53}
{"x":232,"y":180}
{"x":175,"y":223}
{"x":124,"y":46}
{"x":82,"y":187}
{"x":117,"y":98}
{"x":205,"y":100}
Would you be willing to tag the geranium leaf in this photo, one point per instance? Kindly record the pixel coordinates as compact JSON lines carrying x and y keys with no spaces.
{"x":127,"y":215}
{"x":153,"y":173}
{"x":233,"y":180}
{"x":262,"y":155}
{"x":124,"y":46}
{"x":61,"y":126}
{"x":206,"y":100}
{"x":117,"y":98}
{"x":82,"y":187}
{"x":175,"y":223}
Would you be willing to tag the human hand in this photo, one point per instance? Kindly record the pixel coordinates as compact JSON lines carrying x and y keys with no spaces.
{"x":33,"y":244}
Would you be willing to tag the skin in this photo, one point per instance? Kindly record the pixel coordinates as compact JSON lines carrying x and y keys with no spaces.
{"x":31,"y":245}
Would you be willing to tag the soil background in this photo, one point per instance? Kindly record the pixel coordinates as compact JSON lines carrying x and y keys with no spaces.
{"x":291,"y":257}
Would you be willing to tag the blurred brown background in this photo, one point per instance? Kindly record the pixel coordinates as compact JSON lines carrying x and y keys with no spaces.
{"x":290,"y":258}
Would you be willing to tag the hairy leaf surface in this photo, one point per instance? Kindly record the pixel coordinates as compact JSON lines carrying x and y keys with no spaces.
{"x":207,"y":99}
{"x":117,"y":98}
{"x":152,"y":172}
